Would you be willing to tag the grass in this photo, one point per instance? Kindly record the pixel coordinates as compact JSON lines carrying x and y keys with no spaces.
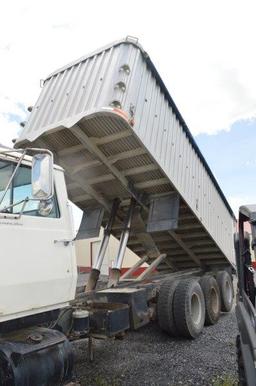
{"x":99,"y":381}
{"x":225,"y":381}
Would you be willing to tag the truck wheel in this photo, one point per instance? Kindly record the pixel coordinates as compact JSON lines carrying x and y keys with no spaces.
{"x":226,"y":290}
{"x":189,"y":308}
{"x":165,"y":307}
{"x":212,"y":299}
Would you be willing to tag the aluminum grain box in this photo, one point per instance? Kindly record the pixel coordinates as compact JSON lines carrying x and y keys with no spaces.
{"x":114,"y":127}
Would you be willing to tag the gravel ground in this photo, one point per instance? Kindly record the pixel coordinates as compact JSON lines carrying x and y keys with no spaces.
{"x":150,"y":357}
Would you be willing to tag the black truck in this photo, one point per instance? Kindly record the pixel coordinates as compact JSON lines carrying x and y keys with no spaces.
{"x":245,"y":308}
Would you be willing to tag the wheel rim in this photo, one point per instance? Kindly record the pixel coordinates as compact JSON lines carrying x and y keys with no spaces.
{"x":214,"y":300}
{"x":228,"y":291}
{"x":196,"y":309}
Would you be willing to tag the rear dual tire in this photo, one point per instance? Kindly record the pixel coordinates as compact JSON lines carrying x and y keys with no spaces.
{"x":212,"y":300}
{"x":185,"y":305}
{"x":189,"y":308}
{"x":225,"y":284}
{"x":181,"y":308}
{"x":165,"y":307}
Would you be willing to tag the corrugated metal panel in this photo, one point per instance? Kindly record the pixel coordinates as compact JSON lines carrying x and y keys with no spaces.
{"x":123,"y":74}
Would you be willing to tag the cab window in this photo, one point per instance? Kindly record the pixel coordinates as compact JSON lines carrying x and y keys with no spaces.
{"x":20,"y":189}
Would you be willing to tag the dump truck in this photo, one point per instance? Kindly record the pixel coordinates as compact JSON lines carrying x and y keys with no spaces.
{"x":125,"y":156}
{"x":245,"y":305}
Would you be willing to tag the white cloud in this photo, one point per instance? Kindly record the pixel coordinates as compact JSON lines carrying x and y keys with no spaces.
{"x":203,"y":50}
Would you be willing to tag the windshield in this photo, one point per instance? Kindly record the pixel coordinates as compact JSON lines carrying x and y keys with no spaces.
{"x":19,"y":190}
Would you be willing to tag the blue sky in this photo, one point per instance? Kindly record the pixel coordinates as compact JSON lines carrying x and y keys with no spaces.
{"x":231,"y":156}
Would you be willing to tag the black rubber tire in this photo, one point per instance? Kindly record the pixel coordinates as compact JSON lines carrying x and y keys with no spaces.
{"x":212,"y":299}
{"x":188,"y":305}
{"x":165,"y":306}
{"x":225,"y":284}
{"x":240,"y":363}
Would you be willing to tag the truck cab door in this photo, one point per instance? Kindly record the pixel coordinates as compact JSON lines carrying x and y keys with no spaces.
{"x":38,"y":268}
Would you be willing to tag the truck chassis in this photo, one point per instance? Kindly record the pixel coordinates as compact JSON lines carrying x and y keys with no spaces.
{"x":182,"y":302}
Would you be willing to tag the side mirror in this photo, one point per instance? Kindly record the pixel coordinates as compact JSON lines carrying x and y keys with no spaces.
{"x":42,"y":176}
{"x":45,"y":207}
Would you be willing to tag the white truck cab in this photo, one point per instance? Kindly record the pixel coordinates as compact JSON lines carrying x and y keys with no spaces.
{"x":38,"y":267}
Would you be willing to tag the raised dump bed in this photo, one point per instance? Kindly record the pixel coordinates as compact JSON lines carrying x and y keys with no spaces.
{"x":114,"y":127}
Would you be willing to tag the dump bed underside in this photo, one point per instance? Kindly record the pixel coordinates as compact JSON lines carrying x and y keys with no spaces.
{"x":115,"y":129}
{"x":104,"y":159}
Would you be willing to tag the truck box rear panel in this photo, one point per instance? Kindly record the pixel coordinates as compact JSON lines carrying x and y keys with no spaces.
{"x":112,"y":125}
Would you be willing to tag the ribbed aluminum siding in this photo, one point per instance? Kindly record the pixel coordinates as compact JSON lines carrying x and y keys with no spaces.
{"x":94,"y":83}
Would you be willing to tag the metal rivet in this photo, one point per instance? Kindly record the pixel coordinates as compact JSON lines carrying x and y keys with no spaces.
{"x":125,"y":68}
{"x":116,"y":104}
{"x":121,"y":86}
